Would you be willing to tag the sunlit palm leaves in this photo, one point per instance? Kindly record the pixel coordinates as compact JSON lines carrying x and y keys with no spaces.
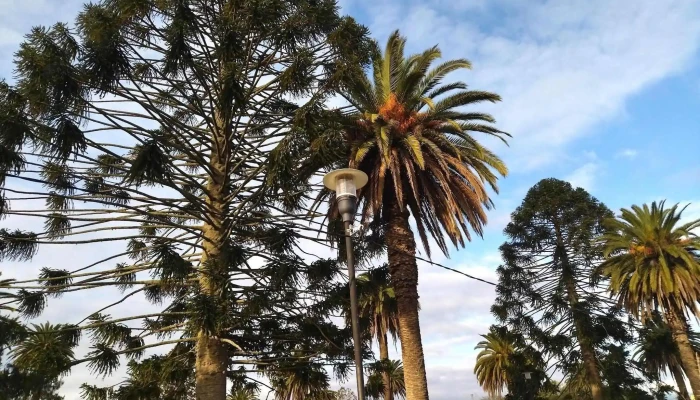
{"x":493,"y":362}
{"x":415,"y":143}
{"x":653,"y":260}
{"x":309,"y":381}
{"x":47,"y":349}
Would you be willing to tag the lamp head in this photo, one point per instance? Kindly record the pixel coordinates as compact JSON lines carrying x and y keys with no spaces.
{"x":345,"y":183}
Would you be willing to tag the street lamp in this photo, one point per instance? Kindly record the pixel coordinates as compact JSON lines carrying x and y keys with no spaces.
{"x":345,"y":182}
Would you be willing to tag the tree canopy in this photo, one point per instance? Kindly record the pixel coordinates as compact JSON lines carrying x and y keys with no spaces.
{"x":144,"y":128}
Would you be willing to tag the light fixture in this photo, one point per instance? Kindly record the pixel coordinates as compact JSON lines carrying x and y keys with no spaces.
{"x":345,"y":183}
{"x":528,"y":375}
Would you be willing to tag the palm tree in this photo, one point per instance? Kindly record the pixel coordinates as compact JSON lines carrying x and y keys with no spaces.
{"x":308,"y":381}
{"x":242,"y":394}
{"x":408,"y":133}
{"x":377,"y":305}
{"x":386,"y":379}
{"x":657,"y":353}
{"x":493,"y":362}
{"x":654,"y":264}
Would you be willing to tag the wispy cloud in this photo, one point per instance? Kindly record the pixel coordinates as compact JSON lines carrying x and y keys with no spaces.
{"x":584,"y":176}
{"x":560,"y":66}
{"x":627,"y":153}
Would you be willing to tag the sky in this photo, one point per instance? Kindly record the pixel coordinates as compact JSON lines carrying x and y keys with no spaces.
{"x":603,"y":94}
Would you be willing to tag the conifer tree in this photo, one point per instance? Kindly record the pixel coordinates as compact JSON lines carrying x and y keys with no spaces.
{"x":146,"y":125}
{"x":548,"y":290}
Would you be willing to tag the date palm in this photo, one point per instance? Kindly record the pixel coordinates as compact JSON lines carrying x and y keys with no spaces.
{"x":657,"y":353}
{"x":242,"y":394}
{"x":377,"y":304}
{"x":408,"y":132}
{"x":309,"y":381}
{"x":653,"y":262}
{"x":386,"y":379}
{"x":493,"y":362}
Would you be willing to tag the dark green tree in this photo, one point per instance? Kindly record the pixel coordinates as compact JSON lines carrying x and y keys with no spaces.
{"x":146,"y":125}
{"x":547,"y":290}
{"x":14,"y":383}
{"x":385,"y":380}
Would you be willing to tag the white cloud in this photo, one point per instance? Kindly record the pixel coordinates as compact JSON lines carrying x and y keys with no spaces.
{"x":691,"y":212}
{"x":560,"y":66}
{"x":627,"y":153}
{"x":584,"y":176}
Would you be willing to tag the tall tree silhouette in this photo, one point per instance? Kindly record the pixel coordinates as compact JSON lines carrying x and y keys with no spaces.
{"x":146,"y":125}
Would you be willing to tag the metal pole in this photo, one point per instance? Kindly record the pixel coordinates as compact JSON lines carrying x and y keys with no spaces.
{"x":353,"y":313}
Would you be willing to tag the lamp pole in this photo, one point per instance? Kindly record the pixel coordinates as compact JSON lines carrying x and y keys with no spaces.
{"x":345,"y":183}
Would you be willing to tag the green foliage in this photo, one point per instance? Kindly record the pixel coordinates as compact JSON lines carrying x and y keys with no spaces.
{"x":545,"y":287}
{"x":654,"y":260}
{"x":375,"y":385}
{"x":405,"y":132}
{"x":494,"y":361}
{"x":147,"y":125}
{"x":47,"y":349}
{"x":549,"y":293}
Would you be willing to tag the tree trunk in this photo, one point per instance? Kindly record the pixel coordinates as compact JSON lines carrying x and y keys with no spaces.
{"x":590,"y":361}
{"x":680,"y":382}
{"x":212,"y":357}
{"x":403,"y":269}
{"x":210,"y":368}
{"x":591,"y":364}
{"x":679,"y":330}
{"x":384,"y":358}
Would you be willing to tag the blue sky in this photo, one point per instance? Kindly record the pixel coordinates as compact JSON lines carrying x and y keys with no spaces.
{"x":603,"y":94}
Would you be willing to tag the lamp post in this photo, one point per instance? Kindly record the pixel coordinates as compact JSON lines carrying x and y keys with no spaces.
{"x":528,"y":384}
{"x":345,"y":182}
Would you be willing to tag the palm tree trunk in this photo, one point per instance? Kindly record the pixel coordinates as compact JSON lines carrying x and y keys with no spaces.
{"x":384,"y":358}
{"x":680,"y":382}
{"x":401,"y":249}
{"x":679,"y":329}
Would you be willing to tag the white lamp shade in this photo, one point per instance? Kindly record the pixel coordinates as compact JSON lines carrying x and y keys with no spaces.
{"x":528,"y":375}
{"x":345,"y":182}
{"x":345,"y":186}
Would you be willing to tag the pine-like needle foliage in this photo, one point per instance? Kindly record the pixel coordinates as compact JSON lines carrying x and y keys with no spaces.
{"x":547,"y":288}
{"x":140,"y":133}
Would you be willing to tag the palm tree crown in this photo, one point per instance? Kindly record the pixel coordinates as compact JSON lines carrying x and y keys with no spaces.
{"x":377,"y":302}
{"x":493,"y":361}
{"x":417,"y":150}
{"x":657,"y":353}
{"x":375,"y":388}
{"x":653,"y":260}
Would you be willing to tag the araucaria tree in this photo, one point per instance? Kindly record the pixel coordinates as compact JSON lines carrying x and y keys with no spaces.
{"x":146,"y":125}
{"x":410,"y":133}
{"x":654,"y":265}
{"x":546,"y":289}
